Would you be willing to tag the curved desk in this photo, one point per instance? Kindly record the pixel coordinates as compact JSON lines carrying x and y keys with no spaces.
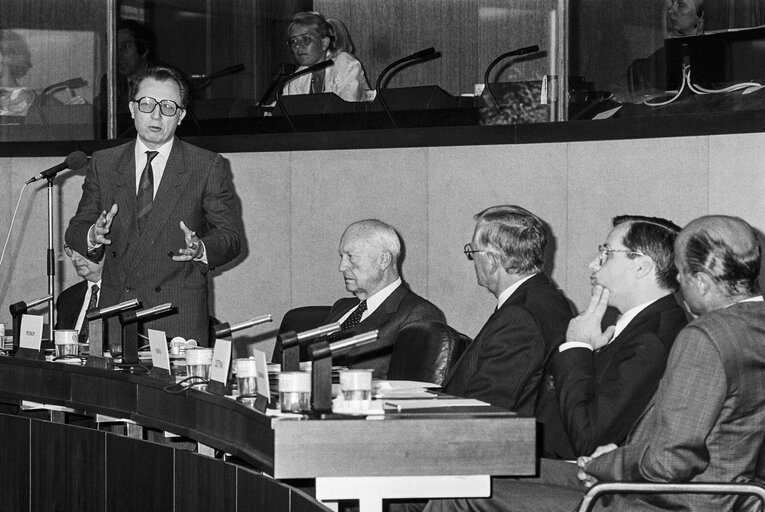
{"x":418,"y":443}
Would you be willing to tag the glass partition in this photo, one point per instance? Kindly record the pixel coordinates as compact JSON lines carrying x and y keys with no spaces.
{"x":66,"y":64}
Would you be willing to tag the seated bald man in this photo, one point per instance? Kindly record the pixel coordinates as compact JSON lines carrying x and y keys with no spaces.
{"x":369,"y":261}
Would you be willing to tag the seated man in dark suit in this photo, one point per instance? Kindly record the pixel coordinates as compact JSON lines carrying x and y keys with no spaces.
{"x":603,"y":380}
{"x":73,"y":303}
{"x":504,"y":364}
{"x":369,"y":258}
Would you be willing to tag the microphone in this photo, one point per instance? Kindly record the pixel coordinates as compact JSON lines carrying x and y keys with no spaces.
{"x":225,"y":329}
{"x":72,"y":83}
{"x":284,"y":70}
{"x":513,"y":53}
{"x":133,"y":316}
{"x":95,"y":314}
{"x":75,"y":160}
{"x":310,"y":69}
{"x":320,"y":351}
{"x":422,"y":54}
{"x":22,"y":307}
{"x":207,"y":80}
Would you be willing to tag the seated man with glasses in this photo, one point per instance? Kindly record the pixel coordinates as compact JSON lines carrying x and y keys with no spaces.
{"x":75,"y":301}
{"x":313,"y":39}
{"x":601,"y":379}
{"x":163,"y":212}
{"x":504,"y":364}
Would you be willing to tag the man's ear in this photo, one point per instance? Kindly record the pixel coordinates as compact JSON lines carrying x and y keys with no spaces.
{"x":386,"y":259}
{"x":645,"y":266}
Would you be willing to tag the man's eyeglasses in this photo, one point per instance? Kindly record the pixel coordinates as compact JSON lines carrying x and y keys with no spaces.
{"x":604,"y":251}
{"x":147,"y":104}
{"x":301,"y":41}
{"x":68,"y":250}
{"x":468,"y":250}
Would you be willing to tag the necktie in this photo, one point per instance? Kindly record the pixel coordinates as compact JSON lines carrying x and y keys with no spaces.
{"x":350,"y":322}
{"x":145,"y":195}
{"x":317,"y":82}
{"x":93,"y":302}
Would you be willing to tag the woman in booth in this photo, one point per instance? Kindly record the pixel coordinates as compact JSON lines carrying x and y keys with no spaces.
{"x":313,"y":39}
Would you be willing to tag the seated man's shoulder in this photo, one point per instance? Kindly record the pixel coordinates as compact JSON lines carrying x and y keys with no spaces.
{"x":429,"y":311}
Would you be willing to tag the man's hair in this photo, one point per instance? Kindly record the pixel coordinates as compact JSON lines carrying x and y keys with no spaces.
{"x":161,"y":74}
{"x":385,"y":234}
{"x":515,"y":235}
{"x":654,"y":237}
{"x":726,"y":249}
{"x":143,"y":37}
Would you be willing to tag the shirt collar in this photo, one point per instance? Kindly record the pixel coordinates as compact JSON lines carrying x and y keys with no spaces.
{"x":511,"y":289}
{"x":163,"y":150}
{"x":629,"y":315}
{"x":378,"y":298}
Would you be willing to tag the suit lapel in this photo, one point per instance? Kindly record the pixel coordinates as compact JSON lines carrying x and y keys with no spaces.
{"x":124,"y":192}
{"x":384,"y":311}
{"x":516,"y":297}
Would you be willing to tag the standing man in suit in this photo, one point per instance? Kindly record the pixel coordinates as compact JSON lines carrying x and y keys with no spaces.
{"x":604,"y":379}
{"x":74,"y":302}
{"x":504,"y":364}
{"x":162,"y":211}
{"x":369,"y":260}
{"x":705,"y":423}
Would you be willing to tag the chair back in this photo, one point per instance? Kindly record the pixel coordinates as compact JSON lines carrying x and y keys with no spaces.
{"x":299,"y":320}
{"x":424,"y":351}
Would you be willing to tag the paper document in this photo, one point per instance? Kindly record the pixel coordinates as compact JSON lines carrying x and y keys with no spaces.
{"x":434,"y":403}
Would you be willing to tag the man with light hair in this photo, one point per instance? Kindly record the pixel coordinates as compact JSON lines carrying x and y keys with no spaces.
{"x":504,"y":364}
{"x":369,"y":261}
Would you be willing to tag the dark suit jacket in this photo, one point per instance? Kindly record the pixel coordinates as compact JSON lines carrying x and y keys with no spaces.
{"x":196,"y":188}
{"x":504,"y":364}
{"x":401,"y":308}
{"x":705,"y":422}
{"x":601,"y":394}
{"x":69,"y":305}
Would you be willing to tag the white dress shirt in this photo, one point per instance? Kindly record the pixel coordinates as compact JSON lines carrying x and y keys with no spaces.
{"x":374,"y":301}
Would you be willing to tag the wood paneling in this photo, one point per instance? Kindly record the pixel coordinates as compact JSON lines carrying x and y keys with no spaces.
{"x":61,"y":455}
{"x":14,"y":461}
{"x":139,"y":475}
{"x":468,"y":33}
{"x":203,"y":484}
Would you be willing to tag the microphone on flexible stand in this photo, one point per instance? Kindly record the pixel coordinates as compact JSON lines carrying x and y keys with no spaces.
{"x":128,"y":320}
{"x":514,"y":53}
{"x":225,"y":329}
{"x":289,"y":342}
{"x":207,"y":80}
{"x":75,"y":160}
{"x":421,"y":55}
{"x":310,"y":69}
{"x":284,"y":71}
{"x":20,"y":308}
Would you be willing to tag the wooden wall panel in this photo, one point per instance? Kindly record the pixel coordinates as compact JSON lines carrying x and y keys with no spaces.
{"x":258,"y":493}
{"x":469,"y":34}
{"x":203,"y":484}
{"x":61,"y":454}
{"x":14,"y":462}
{"x":139,"y":475}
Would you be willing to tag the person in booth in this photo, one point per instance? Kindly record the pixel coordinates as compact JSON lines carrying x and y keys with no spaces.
{"x":504,"y":364}
{"x":369,"y":259}
{"x":313,"y":39}
{"x":162,"y":211}
{"x":75,"y":301}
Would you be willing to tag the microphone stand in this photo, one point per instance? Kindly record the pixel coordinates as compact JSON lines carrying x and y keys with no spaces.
{"x":51,"y":261}
{"x":514,"y":53}
{"x":378,"y":85}
{"x":310,"y":69}
{"x":290,"y":342}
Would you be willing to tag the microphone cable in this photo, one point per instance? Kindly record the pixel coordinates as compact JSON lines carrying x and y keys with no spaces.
{"x":10,"y":228}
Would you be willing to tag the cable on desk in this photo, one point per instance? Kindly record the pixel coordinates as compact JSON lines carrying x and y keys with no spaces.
{"x":183,"y":385}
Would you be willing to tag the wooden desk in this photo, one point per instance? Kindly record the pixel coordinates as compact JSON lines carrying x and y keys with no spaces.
{"x":485,"y":441}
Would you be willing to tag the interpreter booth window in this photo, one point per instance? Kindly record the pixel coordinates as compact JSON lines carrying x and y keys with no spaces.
{"x":243,"y":61}
{"x":51,"y":58}
{"x":665,"y":57}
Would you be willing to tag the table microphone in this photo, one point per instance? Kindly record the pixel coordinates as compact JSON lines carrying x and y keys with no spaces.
{"x":225,"y":329}
{"x":513,"y":53}
{"x":421,"y":55}
{"x":310,"y":69}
